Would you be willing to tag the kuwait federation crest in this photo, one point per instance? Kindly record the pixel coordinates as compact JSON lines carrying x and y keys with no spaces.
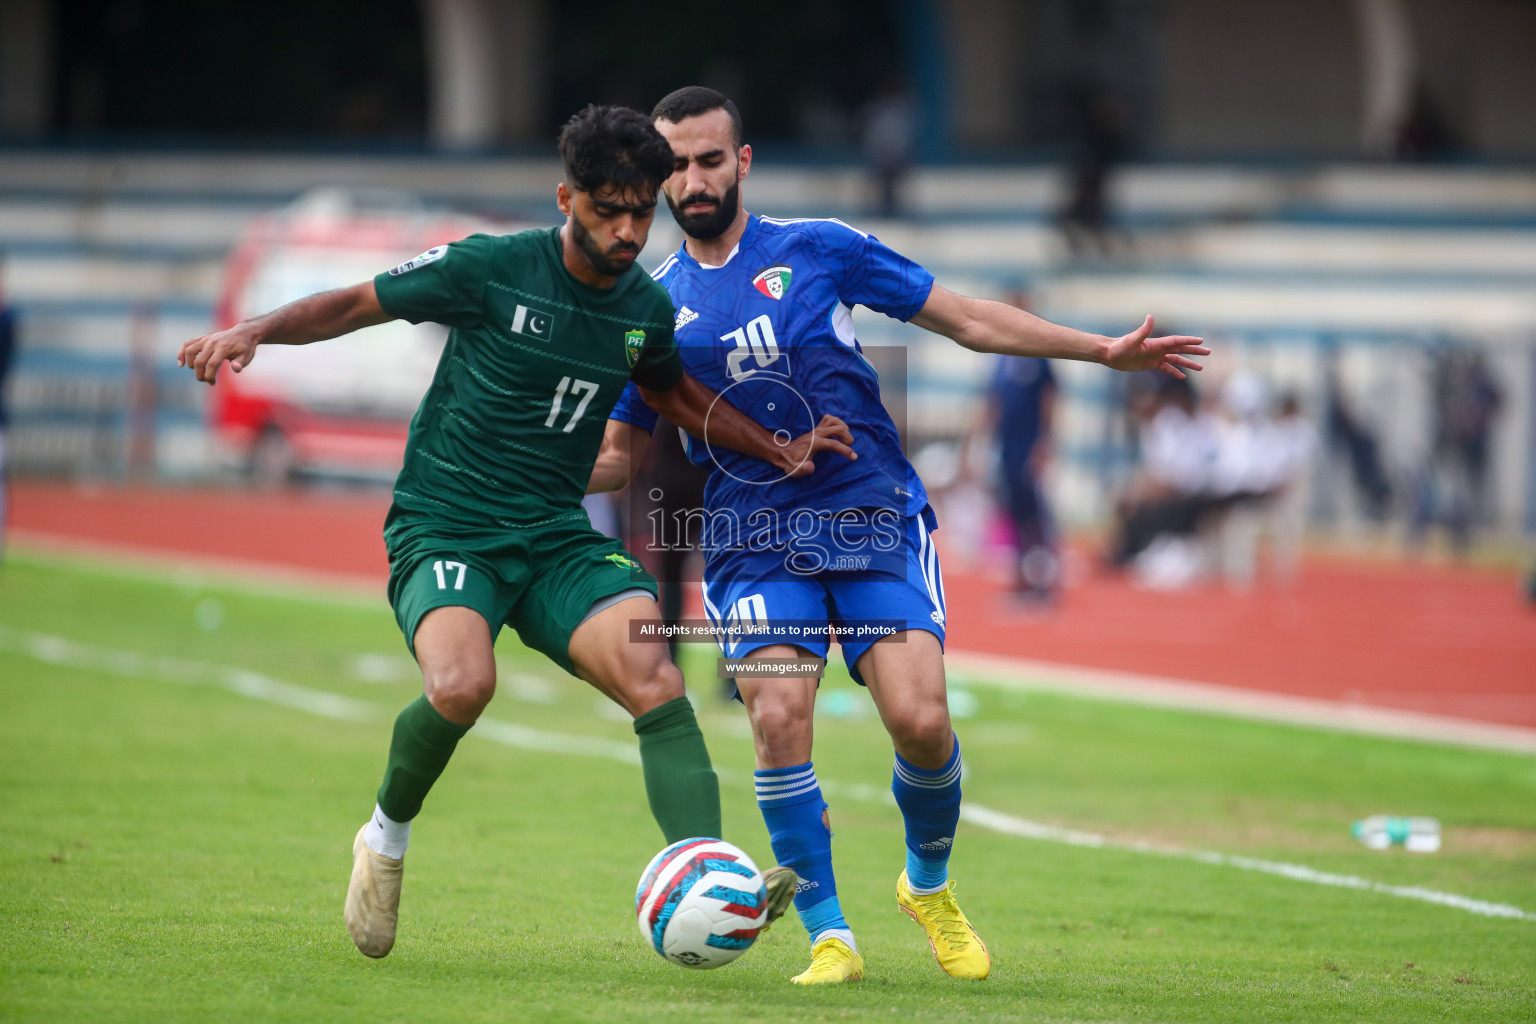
{"x":634,"y":341}
{"x":773,"y":281}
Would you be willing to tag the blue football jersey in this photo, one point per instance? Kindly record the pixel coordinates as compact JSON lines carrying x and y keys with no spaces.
{"x":772,"y":331}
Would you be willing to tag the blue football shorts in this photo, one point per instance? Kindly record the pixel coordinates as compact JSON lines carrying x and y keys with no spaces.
{"x":863,"y":580}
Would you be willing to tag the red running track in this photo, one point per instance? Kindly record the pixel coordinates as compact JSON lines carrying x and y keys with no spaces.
{"x":1428,"y":638}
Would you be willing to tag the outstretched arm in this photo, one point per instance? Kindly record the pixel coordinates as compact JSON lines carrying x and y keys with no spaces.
{"x":985,"y":326}
{"x":619,"y":459}
{"x":312,"y":318}
{"x":704,"y":414}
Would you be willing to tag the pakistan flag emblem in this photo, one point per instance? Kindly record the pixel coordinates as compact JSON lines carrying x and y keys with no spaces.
{"x":634,"y":342}
{"x":773,"y":281}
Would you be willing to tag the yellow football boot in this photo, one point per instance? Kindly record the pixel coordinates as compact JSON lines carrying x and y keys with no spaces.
{"x":956,"y":946}
{"x":373,"y":898}
{"x":831,"y":962}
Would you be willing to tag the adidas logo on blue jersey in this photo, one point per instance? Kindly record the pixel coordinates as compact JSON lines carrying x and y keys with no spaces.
{"x":684,"y":316}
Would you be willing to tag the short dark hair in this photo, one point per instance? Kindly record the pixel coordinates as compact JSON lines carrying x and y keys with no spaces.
{"x":613,"y":146}
{"x":693,"y":100}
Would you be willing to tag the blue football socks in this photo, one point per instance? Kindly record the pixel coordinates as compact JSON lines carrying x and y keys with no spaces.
{"x":930,"y":803}
{"x":790,"y":799}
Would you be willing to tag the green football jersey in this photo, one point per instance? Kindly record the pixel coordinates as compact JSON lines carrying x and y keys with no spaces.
{"x":535,"y":360}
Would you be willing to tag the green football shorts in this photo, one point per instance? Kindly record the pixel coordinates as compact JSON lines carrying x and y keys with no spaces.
{"x":541,"y":580}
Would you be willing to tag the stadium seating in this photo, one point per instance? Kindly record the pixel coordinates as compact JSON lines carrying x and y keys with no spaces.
{"x":1287,"y":269}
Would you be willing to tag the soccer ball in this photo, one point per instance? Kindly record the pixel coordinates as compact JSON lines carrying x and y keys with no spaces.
{"x":701,"y":903}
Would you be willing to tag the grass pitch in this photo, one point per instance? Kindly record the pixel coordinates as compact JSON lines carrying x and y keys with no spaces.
{"x":178,"y":796}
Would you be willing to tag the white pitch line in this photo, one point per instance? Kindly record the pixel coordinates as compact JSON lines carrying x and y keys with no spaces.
{"x":1007,"y":824}
{"x":135,"y":562}
{"x":132,"y":562}
{"x":134,"y":664}
{"x":525,"y":738}
{"x":1234,"y":702}
{"x":55,"y":650}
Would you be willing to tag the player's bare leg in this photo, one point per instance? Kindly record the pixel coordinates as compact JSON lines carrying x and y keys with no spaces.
{"x":458,"y":671}
{"x":458,"y":662}
{"x":905,"y":675}
{"x":781,"y":713}
{"x":639,"y":677}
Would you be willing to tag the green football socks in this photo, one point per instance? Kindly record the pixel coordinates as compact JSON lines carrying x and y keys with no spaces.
{"x":418,"y":753}
{"x":679,"y":780}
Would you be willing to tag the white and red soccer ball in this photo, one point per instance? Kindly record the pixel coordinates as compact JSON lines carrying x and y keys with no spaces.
{"x":701,"y":903}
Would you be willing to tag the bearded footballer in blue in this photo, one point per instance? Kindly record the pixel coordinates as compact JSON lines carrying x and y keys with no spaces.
{"x":764,"y":316}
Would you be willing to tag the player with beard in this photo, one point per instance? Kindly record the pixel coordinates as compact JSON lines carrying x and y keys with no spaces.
{"x":764,"y":315}
{"x":486,"y":528}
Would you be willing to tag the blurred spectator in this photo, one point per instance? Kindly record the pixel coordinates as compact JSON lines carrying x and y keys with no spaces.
{"x":1245,"y":469}
{"x":1349,"y":435}
{"x":7,"y":351}
{"x":1169,"y":497}
{"x":1178,"y":444}
{"x":820,"y":122}
{"x":1452,"y":487}
{"x":1018,"y":414}
{"x":889,"y":130}
{"x":1295,"y":441}
{"x":1426,"y":133}
{"x":1260,"y":480}
{"x":1210,"y":485}
{"x":1098,"y":144}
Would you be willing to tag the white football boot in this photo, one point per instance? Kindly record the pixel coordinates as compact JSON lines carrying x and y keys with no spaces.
{"x":373,"y":898}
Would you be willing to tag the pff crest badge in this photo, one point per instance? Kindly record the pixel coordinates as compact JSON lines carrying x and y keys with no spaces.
{"x":634,"y":343}
{"x":773,"y":281}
